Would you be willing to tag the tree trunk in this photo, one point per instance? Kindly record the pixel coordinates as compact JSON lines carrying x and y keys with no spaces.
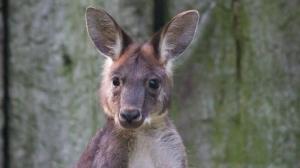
{"x":237,"y":91}
{"x":54,"y":79}
{"x":134,"y":16}
{"x":55,"y":76}
{"x":1,"y":84}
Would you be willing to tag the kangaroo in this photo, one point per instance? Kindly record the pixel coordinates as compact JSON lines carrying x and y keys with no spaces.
{"x":136,"y":94}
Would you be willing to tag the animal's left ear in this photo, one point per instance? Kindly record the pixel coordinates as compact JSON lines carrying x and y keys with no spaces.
{"x":176,"y":35}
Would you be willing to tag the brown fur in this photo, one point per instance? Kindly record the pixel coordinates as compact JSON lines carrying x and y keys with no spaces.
{"x":137,"y":79}
{"x":136,"y":66}
{"x":137,"y":63}
{"x":107,"y":148}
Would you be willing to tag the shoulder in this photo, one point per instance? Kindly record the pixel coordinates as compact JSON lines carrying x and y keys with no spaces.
{"x":87,"y":157}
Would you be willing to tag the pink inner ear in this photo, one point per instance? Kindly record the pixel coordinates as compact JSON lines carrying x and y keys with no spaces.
{"x":178,"y":34}
{"x":105,"y":33}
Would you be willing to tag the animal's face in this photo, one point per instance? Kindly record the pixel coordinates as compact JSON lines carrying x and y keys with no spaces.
{"x":135,"y":87}
{"x":137,"y":78}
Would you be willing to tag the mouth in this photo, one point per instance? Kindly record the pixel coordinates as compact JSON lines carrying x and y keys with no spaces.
{"x":131,"y":124}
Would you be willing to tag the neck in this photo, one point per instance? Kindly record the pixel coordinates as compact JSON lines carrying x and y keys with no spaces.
{"x":124,"y":146}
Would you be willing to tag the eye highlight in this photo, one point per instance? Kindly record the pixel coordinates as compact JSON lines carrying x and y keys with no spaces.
{"x":153,"y":84}
{"x":116,"y":81}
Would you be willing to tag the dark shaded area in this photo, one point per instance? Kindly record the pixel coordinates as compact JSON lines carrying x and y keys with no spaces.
{"x":67,"y":59}
{"x":5,"y":77}
{"x":159,"y":14}
{"x":238,"y":41}
{"x":237,"y":38}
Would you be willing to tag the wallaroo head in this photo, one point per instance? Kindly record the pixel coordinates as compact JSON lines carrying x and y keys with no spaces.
{"x":137,"y":78}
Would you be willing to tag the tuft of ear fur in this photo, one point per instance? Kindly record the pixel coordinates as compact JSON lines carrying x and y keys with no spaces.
{"x":105,"y":33}
{"x":176,"y":35}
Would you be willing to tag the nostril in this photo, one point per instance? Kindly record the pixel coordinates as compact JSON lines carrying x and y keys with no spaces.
{"x":129,"y":116}
{"x":123,"y":116}
{"x":135,"y":115}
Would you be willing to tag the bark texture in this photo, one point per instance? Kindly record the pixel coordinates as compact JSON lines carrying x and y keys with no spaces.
{"x":55,"y":77}
{"x":134,"y":16}
{"x":237,"y":91}
{"x":1,"y":84}
{"x":236,"y":96}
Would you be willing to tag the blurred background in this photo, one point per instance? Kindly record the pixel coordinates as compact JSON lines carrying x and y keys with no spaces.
{"x":236,"y":99}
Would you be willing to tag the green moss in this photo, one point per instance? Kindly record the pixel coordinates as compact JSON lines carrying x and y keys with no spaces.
{"x":191,"y":150}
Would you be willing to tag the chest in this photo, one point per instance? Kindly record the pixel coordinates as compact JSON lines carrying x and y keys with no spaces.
{"x":156,"y":152}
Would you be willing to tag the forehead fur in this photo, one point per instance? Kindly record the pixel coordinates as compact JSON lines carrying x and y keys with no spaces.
{"x":137,"y":55}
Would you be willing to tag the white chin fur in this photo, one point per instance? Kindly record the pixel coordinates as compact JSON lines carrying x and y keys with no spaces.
{"x":148,"y":120}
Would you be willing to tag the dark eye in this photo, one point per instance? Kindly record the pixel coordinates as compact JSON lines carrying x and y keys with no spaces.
{"x":153,"y":84}
{"x":116,"y":81}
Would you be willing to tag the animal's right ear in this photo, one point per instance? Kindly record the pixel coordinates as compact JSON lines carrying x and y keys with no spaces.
{"x":105,"y":33}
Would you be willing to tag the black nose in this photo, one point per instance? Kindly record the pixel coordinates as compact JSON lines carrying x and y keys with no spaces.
{"x":130,"y":115}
